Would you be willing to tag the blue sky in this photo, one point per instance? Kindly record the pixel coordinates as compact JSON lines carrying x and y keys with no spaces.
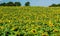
{"x":35,"y":2}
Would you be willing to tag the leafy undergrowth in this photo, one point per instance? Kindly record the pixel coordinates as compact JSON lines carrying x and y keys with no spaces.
{"x":29,"y":21}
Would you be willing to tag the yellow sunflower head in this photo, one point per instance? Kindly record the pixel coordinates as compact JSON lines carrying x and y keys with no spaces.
{"x":1,"y":27}
{"x":34,"y":31}
{"x":50,"y":23}
{"x":44,"y":34}
{"x":55,"y":30}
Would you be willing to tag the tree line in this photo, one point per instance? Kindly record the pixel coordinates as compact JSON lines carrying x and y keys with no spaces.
{"x":55,"y":5}
{"x":26,"y":4}
{"x":14,"y":4}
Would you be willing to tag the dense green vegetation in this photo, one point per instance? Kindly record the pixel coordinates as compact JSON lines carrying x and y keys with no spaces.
{"x":27,"y":4}
{"x":29,"y":21}
{"x":10,"y":4}
{"x":14,"y":4}
{"x":55,"y":5}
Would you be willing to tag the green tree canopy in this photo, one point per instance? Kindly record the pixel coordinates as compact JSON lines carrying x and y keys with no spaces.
{"x":17,"y":3}
{"x":27,"y":4}
{"x":11,"y":4}
{"x":55,"y":5}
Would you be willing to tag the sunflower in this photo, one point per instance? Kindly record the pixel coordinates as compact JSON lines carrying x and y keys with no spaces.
{"x":9,"y":21}
{"x":1,"y":27}
{"x":34,"y":31}
{"x":44,"y":34}
{"x":55,"y":30}
{"x":14,"y":28}
{"x":50,"y":23}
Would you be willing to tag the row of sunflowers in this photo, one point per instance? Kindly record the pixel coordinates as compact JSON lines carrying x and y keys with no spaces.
{"x":29,"y":21}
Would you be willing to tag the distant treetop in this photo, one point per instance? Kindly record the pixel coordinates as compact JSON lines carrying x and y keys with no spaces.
{"x":14,"y":4}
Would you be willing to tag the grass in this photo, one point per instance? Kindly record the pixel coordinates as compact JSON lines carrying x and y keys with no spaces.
{"x":29,"y":21}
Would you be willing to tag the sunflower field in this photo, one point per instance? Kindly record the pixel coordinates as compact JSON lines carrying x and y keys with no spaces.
{"x":29,"y":21}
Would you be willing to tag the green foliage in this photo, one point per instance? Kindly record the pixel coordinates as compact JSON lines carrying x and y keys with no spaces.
{"x":27,"y":4}
{"x":17,"y":3}
{"x":55,"y":5}
{"x":29,"y":21}
{"x":11,"y":4}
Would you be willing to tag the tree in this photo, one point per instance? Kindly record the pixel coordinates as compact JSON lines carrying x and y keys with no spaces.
{"x":17,"y":4}
{"x":58,"y":4}
{"x":55,"y":5}
{"x":3,"y":4}
{"x":10,"y":4}
{"x":27,"y":4}
{"x":52,"y":5}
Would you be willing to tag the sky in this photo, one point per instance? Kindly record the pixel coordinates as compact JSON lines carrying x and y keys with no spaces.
{"x":35,"y":2}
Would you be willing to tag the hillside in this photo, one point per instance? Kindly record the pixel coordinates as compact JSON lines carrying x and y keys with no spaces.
{"x":29,"y":21}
